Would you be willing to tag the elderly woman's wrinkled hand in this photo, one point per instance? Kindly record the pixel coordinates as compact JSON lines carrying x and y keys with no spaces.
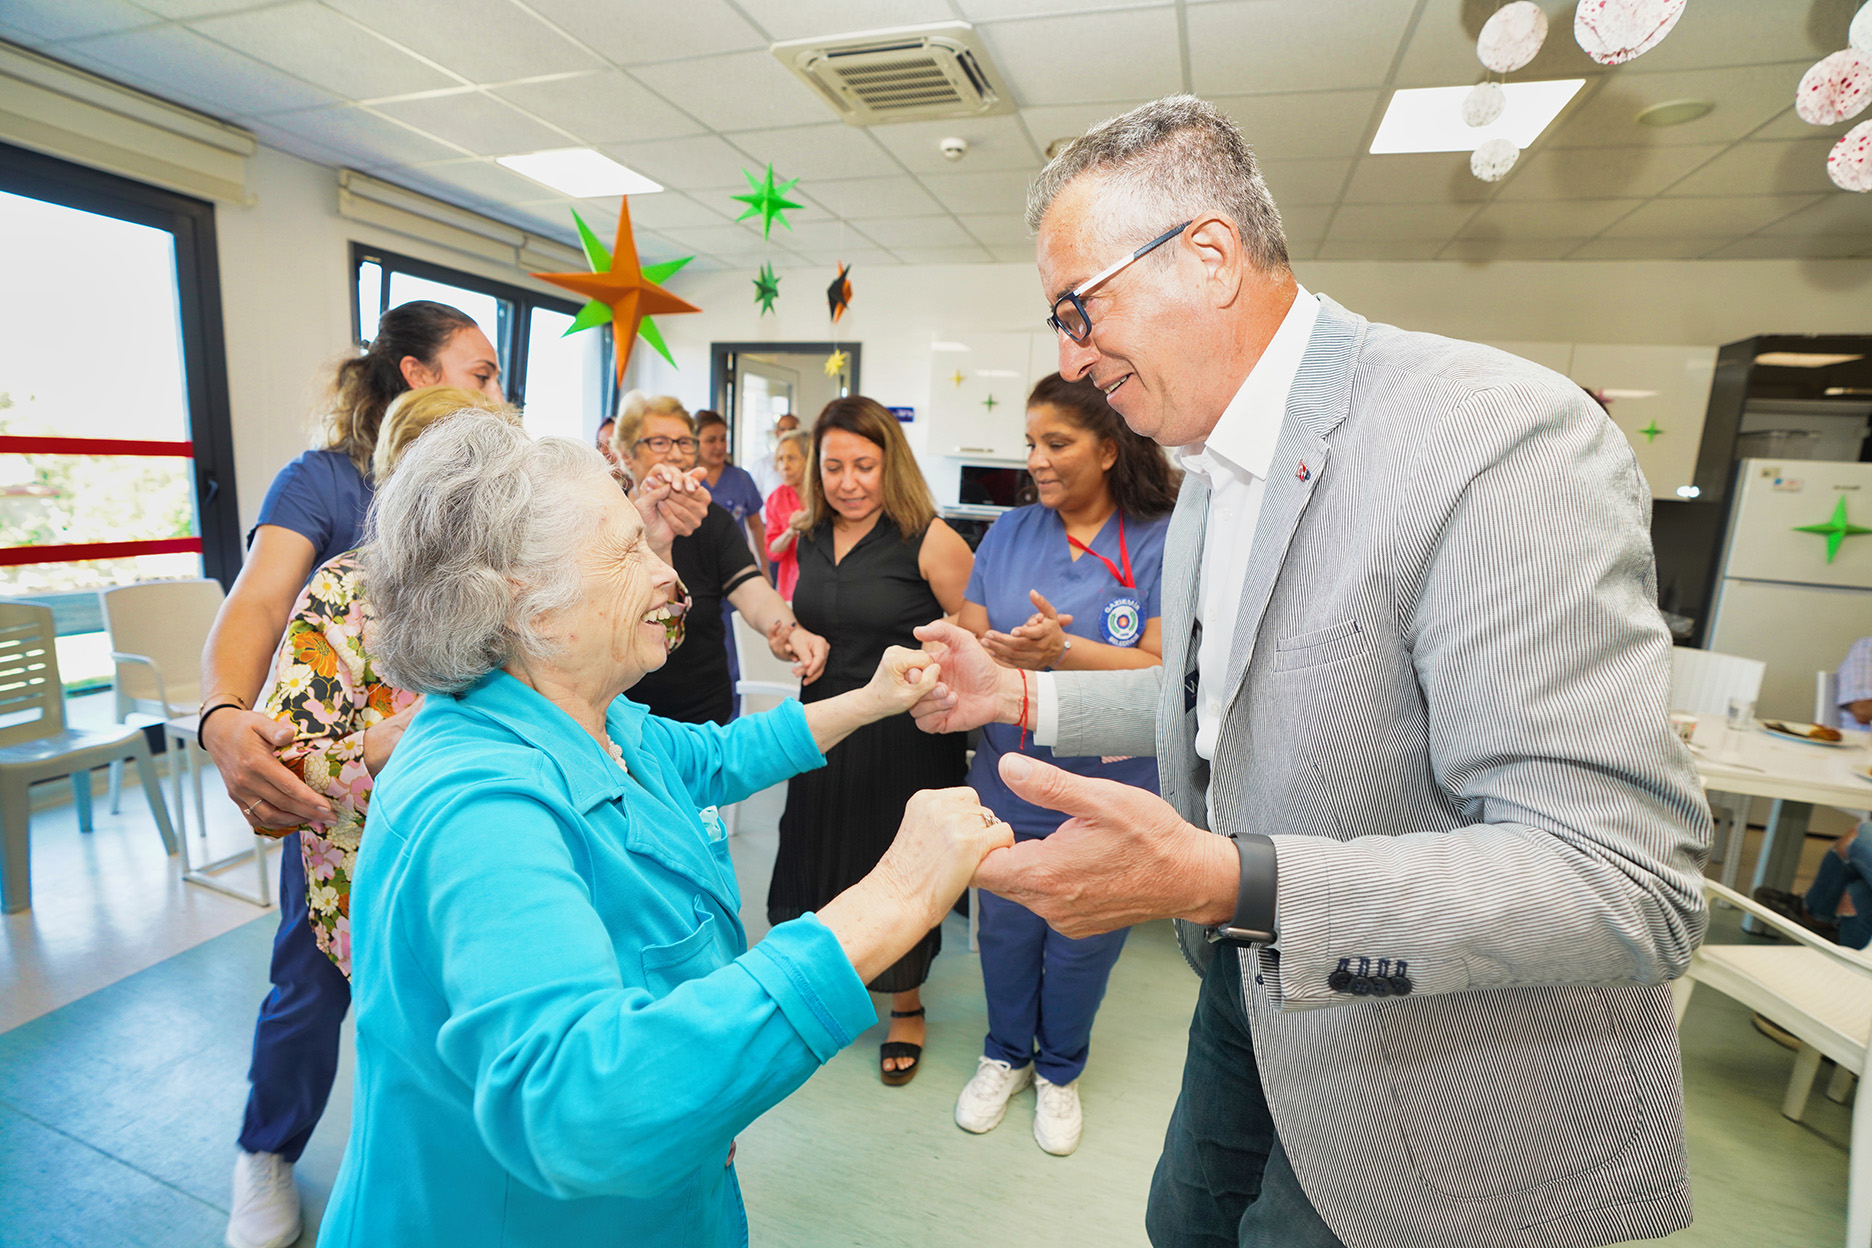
{"x":941,"y":842}
{"x":806,"y":649}
{"x":672,"y":503}
{"x":903,"y":678}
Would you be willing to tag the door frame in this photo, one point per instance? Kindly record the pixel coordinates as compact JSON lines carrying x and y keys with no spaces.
{"x":722,"y":364}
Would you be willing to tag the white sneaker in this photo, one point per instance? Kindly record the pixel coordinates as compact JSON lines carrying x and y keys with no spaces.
{"x":984,"y":1101}
{"x":1058,"y":1119}
{"x":266,"y":1204}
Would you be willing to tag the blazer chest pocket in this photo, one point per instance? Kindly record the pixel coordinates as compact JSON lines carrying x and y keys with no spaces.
{"x":1320,"y":646}
{"x":665,"y":966}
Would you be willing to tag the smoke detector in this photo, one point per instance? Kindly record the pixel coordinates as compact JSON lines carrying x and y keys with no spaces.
{"x":912,"y":73}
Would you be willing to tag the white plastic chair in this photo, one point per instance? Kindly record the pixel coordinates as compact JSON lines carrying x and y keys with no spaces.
{"x":157,"y":631}
{"x":762,"y":676}
{"x":1702,"y":683}
{"x":1826,"y":699}
{"x":1820,"y":993}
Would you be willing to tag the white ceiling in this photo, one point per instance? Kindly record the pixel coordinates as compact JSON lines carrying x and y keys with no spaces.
{"x":427,"y":92}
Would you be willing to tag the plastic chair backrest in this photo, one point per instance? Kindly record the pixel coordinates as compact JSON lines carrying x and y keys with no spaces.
{"x":168,"y":621}
{"x":32,"y":701}
{"x":757,"y":661}
{"x":1826,"y":702}
{"x":1703,"y":681}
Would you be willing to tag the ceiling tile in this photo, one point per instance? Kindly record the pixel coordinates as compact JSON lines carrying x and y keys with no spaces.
{"x":1272,"y":45}
{"x":652,"y":212}
{"x":1305,"y":181}
{"x":944,"y":255}
{"x":993,"y":10}
{"x":482,"y":40}
{"x":1069,"y":121}
{"x":1706,"y":218}
{"x":309,"y":149}
{"x":183,"y":9}
{"x":487,"y":181}
{"x":831,"y":150}
{"x":704,"y":162}
{"x":808,"y":19}
{"x":1643,"y":248}
{"x":1416,"y":178}
{"x":1377,"y":249}
{"x":1091,"y":57}
{"x":823,"y":236}
{"x":854,"y":256}
{"x":1745,"y":98}
{"x":1442,"y":49}
{"x":604,"y":107}
{"x":1365,"y":222}
{"x":979,"y":192}
{"x":1780,"y":247}
{"x":1788,"y":125}
{"x":316,"y":44}
{"x":184,"y":62}
{"x":1489,"y":248}
{"x":994,"y":143}
{"x":1602,"y":172}
{"x":480,"y":123}
{"x":1301,"y":127}
{"x":1838,"y":213}
{"x":1013,"y":255}
{"x":739,"y":91}
{"x":51,"y":20}
{"x":1749,"y":32}
{"x":1305,"y":224}
{"x":896,"y":233}
{"x":1547,"y":219}
{"x":872,"y":197}
{"x":637,"y":32}
{"x":723,"y":239}
{"x":1786,"y":168}
{"x":372,"y":138}
{"x":998,"y":229}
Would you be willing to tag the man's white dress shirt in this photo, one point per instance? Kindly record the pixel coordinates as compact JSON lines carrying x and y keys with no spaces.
{"x":1233,"y":462}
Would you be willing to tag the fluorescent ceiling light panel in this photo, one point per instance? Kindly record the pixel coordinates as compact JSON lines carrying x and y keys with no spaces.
{"x":1629,"y":394}
{"x":580,"y":173}
{"x":1429,"y":119}
{"x":1803,"y":359}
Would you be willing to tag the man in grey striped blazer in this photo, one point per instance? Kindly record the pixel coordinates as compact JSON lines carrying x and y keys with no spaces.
{"x":1428,"y":713}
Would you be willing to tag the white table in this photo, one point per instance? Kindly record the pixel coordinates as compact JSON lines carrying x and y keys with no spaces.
{"x":1795,"y":776}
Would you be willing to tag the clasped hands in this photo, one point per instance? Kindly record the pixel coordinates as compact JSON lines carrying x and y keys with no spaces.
{"x":1123,"y":854}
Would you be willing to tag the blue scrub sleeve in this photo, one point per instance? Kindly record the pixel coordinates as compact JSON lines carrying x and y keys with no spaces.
{"x":720,"y":764}
{"x":304,"y":500}
{"x":584,"y":1085}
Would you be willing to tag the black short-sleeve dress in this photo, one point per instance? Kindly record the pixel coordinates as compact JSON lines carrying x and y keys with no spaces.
{"x":841,"y":818}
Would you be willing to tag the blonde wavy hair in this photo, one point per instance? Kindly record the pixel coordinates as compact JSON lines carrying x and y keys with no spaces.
{"x":638,"y":405}
{"x":414,"y":411}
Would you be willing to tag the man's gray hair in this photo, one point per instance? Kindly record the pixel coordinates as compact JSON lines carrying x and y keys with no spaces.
{"x":1164,"y":162}
{"x":470,"y":543}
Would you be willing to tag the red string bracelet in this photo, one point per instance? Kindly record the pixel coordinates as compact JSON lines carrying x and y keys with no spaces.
{"x":1023,"y":715}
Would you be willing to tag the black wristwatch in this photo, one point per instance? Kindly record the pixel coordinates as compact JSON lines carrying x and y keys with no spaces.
{"x":1253,"y":922}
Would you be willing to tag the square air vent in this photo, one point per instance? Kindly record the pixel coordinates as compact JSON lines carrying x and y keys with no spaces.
{"x":915,"y":73}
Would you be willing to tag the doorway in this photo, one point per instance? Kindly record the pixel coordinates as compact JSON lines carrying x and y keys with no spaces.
{"x":754,"y":383}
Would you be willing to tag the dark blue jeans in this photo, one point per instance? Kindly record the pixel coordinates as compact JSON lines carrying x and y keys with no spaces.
{"x":295,"y":1053}
{"x":1851,"y":875}
{"x":1224,"y":1180}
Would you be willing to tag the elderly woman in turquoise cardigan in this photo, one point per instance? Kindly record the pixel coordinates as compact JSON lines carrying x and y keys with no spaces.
{"x":560,"y":1026}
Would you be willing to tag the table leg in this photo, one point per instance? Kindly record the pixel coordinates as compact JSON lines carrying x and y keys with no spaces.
{"x":1780,"y":852}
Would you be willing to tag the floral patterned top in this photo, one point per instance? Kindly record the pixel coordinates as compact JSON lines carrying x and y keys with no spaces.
{"x":324,"y":686}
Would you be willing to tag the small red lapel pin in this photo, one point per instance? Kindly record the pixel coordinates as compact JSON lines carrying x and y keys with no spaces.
{"x":1303,"y":474}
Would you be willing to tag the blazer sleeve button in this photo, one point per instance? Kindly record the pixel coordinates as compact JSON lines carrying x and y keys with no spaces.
{"x":1340,"y":980}
{"x":1401,"y":985}
{"x":1361,"y":985}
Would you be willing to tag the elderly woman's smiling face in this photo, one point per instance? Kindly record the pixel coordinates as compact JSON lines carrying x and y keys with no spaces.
{"x":618,"y":632}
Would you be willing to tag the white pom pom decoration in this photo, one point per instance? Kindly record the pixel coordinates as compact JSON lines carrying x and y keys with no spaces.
{"x":1492,"y":161}
{"x":1836,"y":89}
{"x":1512,"y":37}
{"x":1859,"y":34}
{"x":1849,"y":164}
{"x":1615,"y":31}
{"x":1483,"y":104}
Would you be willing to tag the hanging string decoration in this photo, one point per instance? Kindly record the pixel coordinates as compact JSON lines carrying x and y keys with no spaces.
{"x":1849,"y":164}
{"x":622,"y":292}
{"x":836,"y":362}
{"x":1615,"y":31}
{"x":766,"y":288}
{"x":1492,"y":161}
{"x":1512,"y":36}
{"x":839,"y":293}
{"x":1836,"y":89}
{"x":1859,"y":34}
{"x":1483,"y":104}
{"x":768,"y":201}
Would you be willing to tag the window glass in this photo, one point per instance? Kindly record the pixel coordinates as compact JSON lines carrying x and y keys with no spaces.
{"x":369,"y":298}
{"x":487,"y":311}
{"x":564,"y":376}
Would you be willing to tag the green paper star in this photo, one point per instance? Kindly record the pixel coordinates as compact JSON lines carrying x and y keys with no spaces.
{"x":767,"y":201}
{"x":766,"y":289}
{"x":595,"y":313}
{"x":1835,"y":530}
{"x":990,"y":403}
{"x":1650,"y":432}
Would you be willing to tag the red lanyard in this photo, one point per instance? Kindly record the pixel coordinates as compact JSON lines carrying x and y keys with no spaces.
{"x":1124,"y":578}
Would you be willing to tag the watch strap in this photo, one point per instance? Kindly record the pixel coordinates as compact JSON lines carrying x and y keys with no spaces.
{"x":1253,"y":921}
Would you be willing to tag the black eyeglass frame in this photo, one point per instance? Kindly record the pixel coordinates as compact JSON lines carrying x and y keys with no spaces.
{"x":688,"y":444}
{"x":1074,"y":297}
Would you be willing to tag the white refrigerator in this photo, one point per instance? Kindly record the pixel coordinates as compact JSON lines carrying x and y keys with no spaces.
{"x":1795,"y":585}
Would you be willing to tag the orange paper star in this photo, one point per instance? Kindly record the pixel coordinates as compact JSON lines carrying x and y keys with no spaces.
{"x":624,"y":289}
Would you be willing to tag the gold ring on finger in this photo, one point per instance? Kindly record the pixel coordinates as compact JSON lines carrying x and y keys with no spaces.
{"x":988,"y":819}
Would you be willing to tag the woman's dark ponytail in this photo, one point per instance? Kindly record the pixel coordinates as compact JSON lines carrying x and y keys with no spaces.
{"x":366,"y":384}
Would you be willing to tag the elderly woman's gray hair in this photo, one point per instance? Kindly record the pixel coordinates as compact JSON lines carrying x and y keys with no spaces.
{"x":1168,"y":161}
{"x":469,"y":545}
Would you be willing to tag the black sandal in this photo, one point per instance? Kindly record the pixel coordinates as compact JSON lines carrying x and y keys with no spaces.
{"x":900,"y":1049}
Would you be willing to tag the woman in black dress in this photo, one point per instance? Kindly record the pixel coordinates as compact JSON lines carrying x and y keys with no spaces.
{"x":874,"y":562}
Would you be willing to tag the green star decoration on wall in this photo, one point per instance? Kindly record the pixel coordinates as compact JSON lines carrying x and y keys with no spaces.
{"x":595,"y":313}
{"x":1650,"y":432}
{"x":767,"y":201}
{"x":1835,"y":530}
{"x":990,"y":403}
{"x":766,"y":289}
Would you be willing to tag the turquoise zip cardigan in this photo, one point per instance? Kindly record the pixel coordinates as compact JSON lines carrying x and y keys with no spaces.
{"x":560,"y":1027}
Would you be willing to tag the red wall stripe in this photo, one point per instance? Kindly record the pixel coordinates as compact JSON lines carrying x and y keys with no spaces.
{"x":93,"y":446}
{"x":14,"y":556}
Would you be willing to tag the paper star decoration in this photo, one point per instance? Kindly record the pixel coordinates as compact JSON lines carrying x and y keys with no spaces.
{"x":767,"y":201}
{"x":835,"y":363}
{"x":838,"y":294}
{"x":1650,"y":432}
{"x":766,"y":289}
{"x":958,"y":378}
{"x":1835,"y":530}
{"x":990,"y":403}
{"x":621,"y":290}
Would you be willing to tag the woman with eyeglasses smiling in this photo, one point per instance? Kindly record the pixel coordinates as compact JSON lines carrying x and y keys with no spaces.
{"x":714,"y":564}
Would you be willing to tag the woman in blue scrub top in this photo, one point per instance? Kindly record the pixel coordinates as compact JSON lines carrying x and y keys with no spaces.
{"x":1071,"y":582}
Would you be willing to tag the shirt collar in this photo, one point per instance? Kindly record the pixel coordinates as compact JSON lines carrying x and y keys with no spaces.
{"x":1245,"y":435}
{"x":591,"y":776}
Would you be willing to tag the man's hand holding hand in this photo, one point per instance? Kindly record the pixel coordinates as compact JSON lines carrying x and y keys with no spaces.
{"x":975,"y":690}
{"x":1124,"y":857}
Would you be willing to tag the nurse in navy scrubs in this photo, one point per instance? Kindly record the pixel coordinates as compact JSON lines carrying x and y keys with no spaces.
{"x":1070,"y":582}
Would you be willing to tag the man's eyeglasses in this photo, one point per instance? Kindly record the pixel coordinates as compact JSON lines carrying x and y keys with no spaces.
{"x":1069,"y":311}
{"x":660,"y":444}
